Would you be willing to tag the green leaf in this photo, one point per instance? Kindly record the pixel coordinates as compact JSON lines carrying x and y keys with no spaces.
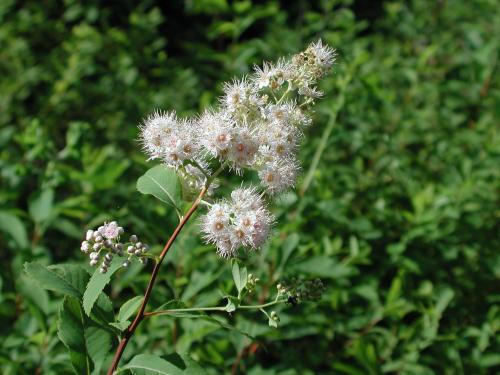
{"x":174,"y":364}
{"x":71,"y":331}
{"x":98,"y":343}
{"x":50,"y":280}
{"x":232,"y":302}
{"x":40,"y":208}
{"x":97,"y":283}
{"x":324,"y":266}
{"x":240,"y":276}
{"x":289,"y":245}
{"x":163,"y":183}
{"x":121,"y":326}
{"x":12,"y":225}
{"x":129,"y":308}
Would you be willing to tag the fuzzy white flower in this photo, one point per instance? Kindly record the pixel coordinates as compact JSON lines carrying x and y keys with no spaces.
{"x":324,"y":56}
{"x":271,"y":75}
{"x":240,"y":97}
{"x":241,"y":222}
{"x":244,"y":145}
{"x":279,"y":175}
{"x":246,"y":199}
{"x":111,"y":230}
{"x":154,"y":132}
{"x":216,"y":132}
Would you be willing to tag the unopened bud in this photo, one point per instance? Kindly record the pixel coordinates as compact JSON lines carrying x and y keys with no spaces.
{"x":85,"y":246}
{"x":133,"y":238}
{"x":275,"y":316}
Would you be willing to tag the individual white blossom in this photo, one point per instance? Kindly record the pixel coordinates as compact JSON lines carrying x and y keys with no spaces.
{"x":279,"y":174}
{"x":324,"y":56}
{"x":216,"y":131}
{"x":272,"y":75}
{"x":155,"y":132}
{"x":240,"y":97}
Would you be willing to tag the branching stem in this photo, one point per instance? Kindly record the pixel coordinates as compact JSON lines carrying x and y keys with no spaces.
{"x":147,"y":294}
{"x":218,"y":308}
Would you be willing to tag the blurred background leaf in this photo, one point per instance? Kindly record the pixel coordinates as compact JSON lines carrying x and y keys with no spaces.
{"x":398,"y":212}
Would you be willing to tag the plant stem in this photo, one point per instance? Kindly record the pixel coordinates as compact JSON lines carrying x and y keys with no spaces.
{"x":218,"y":308}
{"x":140,"y":314}
{"x":288,"y":89}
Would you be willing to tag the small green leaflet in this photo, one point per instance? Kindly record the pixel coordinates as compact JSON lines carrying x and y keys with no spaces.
{"x":163,"y":183}
{"x":129,"y":308}
{"x":50,"y":280}
{"x":174,"y":364}
{"x":240,"y":276}
{"x":97,"y":283}
{"x":71,"y":331}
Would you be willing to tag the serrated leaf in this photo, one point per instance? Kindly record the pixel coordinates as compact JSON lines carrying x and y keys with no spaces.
{"x":50,"y":280}
{"x":240,"y":276}
{"x":174,"y":364}
{"x":129,"y":308}
{"x":97,"y":283}
{"x":121,"y":326}
{"x":71,"y":331}
{"x":163,"y":183}
{"x":98,"y":343}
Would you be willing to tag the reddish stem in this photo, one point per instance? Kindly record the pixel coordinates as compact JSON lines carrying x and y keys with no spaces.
{"x":140,"y":314}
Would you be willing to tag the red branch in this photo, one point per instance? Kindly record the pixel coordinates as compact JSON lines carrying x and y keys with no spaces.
{"x":140,"y":314}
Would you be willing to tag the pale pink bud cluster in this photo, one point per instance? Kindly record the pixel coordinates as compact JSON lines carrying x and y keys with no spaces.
{"x":242,"y":221}
{"x":104,"y":243}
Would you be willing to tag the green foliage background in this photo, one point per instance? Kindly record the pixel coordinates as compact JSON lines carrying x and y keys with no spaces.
{"x":401,"y":218}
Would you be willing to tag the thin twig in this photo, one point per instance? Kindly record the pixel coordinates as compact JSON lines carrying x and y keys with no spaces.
{"x":217,"y":308}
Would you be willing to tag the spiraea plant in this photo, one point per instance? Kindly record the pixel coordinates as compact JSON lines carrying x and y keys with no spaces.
{"x":256,"y":128}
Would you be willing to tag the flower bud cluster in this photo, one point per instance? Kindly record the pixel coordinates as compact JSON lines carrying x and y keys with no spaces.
{"x":257,"y":126}
{"x":102,"y":244}
{"x":299,"y":291}
{"x":241,"y":222}
{"x":251,"y":283}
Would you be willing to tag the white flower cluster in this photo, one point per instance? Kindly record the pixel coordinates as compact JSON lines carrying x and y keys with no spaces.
{"x":105,"y":243}
{"x":242,"y":221}
{"x":258,"y":125}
